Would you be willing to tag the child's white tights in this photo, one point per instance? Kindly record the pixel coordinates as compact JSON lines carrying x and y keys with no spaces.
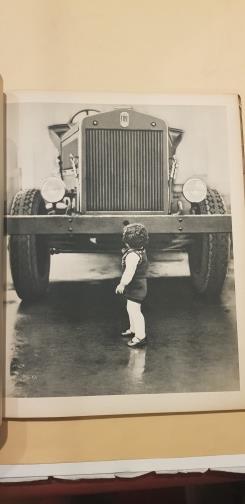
{"x":136,"y":319}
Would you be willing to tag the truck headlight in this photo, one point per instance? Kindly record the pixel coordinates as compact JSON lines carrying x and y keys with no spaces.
{"x":53,"y":189}
{"x":194,"y":190}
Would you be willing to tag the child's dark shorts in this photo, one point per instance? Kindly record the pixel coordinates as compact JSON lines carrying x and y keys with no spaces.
{"x":136,"y":291}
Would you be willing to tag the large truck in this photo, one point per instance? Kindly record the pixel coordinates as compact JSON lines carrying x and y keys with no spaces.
{"x":115,"y":168}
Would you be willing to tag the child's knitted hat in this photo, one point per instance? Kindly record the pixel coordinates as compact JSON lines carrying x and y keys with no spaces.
{"x":135,"y":235}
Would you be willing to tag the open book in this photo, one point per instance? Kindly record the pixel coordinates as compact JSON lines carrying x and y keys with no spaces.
{"x":80,"y":169}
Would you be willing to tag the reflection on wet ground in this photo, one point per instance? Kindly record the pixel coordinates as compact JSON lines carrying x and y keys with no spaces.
{"x":69,"y":343}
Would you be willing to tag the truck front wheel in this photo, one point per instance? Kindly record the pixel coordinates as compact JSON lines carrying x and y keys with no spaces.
{"x":209,"y":253}
{"x":29,"y":254}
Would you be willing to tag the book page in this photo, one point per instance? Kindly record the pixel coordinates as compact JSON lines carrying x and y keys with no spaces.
{"x":133,"y":47}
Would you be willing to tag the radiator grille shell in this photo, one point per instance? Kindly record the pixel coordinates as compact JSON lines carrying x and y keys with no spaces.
{"x":125,"y":170}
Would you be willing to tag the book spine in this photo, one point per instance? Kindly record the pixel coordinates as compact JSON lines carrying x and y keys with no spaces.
{"x":2,"y":242}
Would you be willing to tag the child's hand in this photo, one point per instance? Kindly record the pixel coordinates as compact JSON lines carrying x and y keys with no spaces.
{"x":120,"y":289}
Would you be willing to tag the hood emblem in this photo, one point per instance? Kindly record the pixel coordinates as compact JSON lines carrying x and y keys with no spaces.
{"x":124,"y":119}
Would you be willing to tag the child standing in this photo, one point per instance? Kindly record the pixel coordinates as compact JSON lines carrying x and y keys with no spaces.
{"x":133,"y":283}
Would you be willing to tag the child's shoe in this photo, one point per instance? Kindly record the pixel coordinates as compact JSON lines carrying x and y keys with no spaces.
{"x":136,"y":342}
{"x":127,"y":334}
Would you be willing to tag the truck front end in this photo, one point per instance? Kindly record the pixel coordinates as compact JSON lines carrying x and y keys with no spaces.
{"x":120,"y":167}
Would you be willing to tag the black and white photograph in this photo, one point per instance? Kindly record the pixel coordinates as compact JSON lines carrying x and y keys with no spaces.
{"x":124,"y":254}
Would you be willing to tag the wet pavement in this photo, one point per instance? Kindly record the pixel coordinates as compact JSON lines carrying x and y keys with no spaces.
{"x":69,"y":343}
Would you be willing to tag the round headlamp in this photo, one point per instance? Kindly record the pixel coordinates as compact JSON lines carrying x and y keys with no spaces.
{"x":194,"y":190}
{"x":53,"y":189}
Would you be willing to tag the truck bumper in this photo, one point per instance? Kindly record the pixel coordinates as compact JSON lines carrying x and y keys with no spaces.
{"x":113,"y":224}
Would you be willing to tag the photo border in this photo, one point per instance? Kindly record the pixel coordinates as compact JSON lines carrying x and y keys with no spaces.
{"x":156,"y":403}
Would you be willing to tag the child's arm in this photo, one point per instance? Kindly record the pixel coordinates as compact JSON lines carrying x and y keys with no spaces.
{"x":132,"y":260}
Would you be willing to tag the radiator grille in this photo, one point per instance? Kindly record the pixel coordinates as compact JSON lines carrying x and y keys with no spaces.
{"x":124,"y":170}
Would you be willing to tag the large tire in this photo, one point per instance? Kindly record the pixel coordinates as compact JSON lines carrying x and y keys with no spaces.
{"x":209,"y":253}
{"x":29,"y":254}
